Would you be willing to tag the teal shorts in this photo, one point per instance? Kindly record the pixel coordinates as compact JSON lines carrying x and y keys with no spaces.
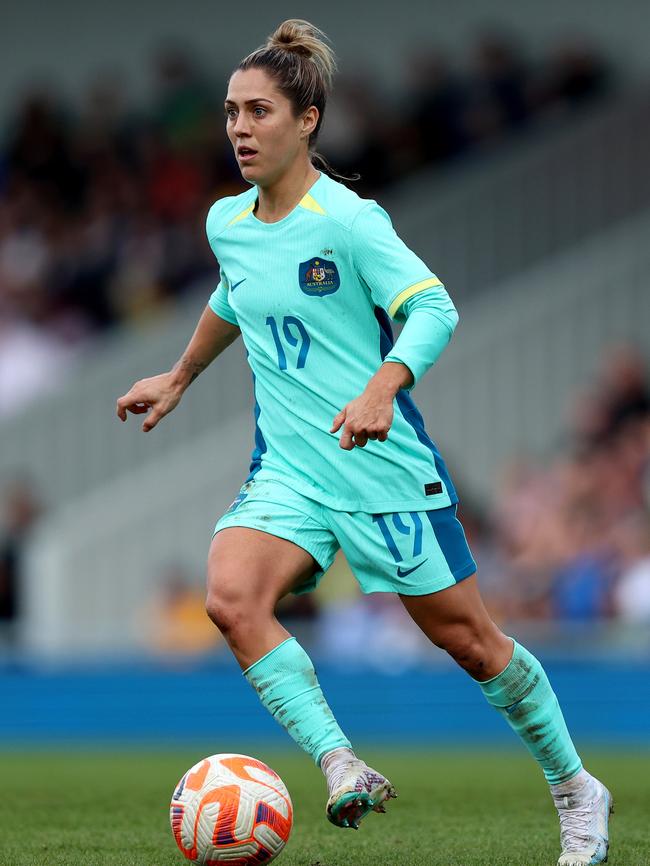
{"x":410,"y":552}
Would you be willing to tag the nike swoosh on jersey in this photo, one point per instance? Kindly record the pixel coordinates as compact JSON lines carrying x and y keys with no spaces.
{"x":233,"y":286}
{"x":402,"y":572}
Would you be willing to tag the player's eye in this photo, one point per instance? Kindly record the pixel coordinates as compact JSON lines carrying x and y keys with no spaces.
{"x":258,"y":111}
{"x":231,"y":114}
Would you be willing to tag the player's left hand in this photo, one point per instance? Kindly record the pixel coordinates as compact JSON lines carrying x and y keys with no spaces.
{"x":368,"y":416}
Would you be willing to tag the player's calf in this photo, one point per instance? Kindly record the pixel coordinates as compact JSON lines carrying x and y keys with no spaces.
{"x":354,"y":788}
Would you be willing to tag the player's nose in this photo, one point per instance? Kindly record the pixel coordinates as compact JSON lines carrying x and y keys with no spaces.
{"x":241,"y":126}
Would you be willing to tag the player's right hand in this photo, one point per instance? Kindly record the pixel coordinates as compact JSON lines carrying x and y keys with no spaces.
{"x":158,"y":396}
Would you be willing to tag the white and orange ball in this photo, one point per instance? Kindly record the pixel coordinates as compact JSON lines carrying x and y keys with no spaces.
{"x":231,"y":809}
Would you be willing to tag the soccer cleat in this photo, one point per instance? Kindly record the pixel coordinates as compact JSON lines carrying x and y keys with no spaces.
{"x":355,"y":790}
{"x":584,"y":816}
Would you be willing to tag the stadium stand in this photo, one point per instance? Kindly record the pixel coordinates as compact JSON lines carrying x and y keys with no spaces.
{"x":481,"y":225}
{"x":527,"y":347}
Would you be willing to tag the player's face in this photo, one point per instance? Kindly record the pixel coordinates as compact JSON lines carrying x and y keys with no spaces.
{"x":266,"y":136}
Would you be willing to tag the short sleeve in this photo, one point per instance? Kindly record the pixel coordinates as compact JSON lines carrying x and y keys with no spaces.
{"x":392,"y":272}
{"x":219,"y":304}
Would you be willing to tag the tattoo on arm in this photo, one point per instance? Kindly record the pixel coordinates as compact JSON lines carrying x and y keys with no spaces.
{"x":194,"y":368}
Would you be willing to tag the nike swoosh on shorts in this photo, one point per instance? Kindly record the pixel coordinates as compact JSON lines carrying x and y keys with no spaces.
{"x":233,"y":286}
{"x":402,"y":572}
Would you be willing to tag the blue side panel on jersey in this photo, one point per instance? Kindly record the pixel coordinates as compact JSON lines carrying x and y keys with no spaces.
{"x":450,"y":536}
{"x":260,"y":444}
{"x":411,"y":414}
{"x":408,"y":408}
{"x":386,"y":340}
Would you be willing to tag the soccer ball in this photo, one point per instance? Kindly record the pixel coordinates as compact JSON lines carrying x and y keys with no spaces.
{"x":231,"y":809}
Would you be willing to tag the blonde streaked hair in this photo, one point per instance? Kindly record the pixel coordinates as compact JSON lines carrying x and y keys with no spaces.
{"x":301,"y":62}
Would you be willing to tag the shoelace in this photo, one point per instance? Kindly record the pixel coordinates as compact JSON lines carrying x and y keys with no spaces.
{"x":340,"y":771}
{"x":575,"y":825}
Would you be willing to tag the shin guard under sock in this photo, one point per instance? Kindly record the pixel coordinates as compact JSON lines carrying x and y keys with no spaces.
{"x":524,"y":697}
{"x":286,"y":683}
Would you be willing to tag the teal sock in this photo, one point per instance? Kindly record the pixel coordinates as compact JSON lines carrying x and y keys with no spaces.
{"x":524,"y":697}
{"x":286,"y":683}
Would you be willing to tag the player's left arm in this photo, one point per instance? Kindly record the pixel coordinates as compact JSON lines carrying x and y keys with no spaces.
{"x":426,"y":333}
{"x":384,"y":262}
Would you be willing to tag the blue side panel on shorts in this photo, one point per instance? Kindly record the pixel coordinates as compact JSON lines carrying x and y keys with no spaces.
{"x":408,"y":408}
{"x":260,"y":444}
{"x":450,"y":536}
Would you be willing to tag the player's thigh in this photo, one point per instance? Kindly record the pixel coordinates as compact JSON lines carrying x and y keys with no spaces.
{"x":252,"y":564}
{"x":270,"y":541}
{"x":412,"y":553}
{"x":459,"y":605}
{"x":456,"y":620}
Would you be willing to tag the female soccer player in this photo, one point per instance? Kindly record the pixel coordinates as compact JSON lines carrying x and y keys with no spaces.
{"x":311,"y":275}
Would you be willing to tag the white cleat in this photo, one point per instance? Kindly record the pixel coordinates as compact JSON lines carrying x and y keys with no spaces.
{"x":584,"y":817}
{"x":355,"y":790}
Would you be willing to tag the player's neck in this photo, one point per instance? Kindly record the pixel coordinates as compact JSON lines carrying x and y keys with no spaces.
{"x":277,"y":201}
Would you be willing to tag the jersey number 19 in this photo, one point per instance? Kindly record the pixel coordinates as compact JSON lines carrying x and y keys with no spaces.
{"x":290,"y":324}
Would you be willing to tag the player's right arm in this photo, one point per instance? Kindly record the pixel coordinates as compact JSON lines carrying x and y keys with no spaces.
{"x":159,"y":395}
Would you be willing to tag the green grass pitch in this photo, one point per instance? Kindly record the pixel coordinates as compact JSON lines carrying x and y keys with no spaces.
{"x":458,"y":808}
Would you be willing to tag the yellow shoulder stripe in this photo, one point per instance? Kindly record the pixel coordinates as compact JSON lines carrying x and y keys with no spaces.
{"x":412,"y":290}
{"x":240,"y":216}
{"x":310,"y":203}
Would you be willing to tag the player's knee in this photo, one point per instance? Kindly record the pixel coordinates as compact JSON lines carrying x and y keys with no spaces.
{"x":228,"y":608}
{"x":222,"y":612}
{"x":468,"y":649}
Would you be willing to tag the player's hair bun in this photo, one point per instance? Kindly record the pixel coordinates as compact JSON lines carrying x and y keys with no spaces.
{"x":300,"y":37}
{"x":293,"y":35}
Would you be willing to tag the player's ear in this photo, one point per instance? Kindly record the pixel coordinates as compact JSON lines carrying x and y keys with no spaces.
{"x":309,"y":121}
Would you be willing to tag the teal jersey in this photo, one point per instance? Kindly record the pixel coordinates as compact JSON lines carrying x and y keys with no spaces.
{"x":313,"y":295}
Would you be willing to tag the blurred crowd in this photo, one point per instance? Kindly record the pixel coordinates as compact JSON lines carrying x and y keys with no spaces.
{"x":102,"y":211}
{"x":569,"y":537}
{"x":102,"y":207}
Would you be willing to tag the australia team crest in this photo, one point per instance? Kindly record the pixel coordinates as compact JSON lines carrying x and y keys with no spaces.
{"x":318,"y":277}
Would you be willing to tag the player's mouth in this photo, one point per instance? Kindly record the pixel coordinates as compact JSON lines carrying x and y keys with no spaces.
{"x":245,"y":154}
